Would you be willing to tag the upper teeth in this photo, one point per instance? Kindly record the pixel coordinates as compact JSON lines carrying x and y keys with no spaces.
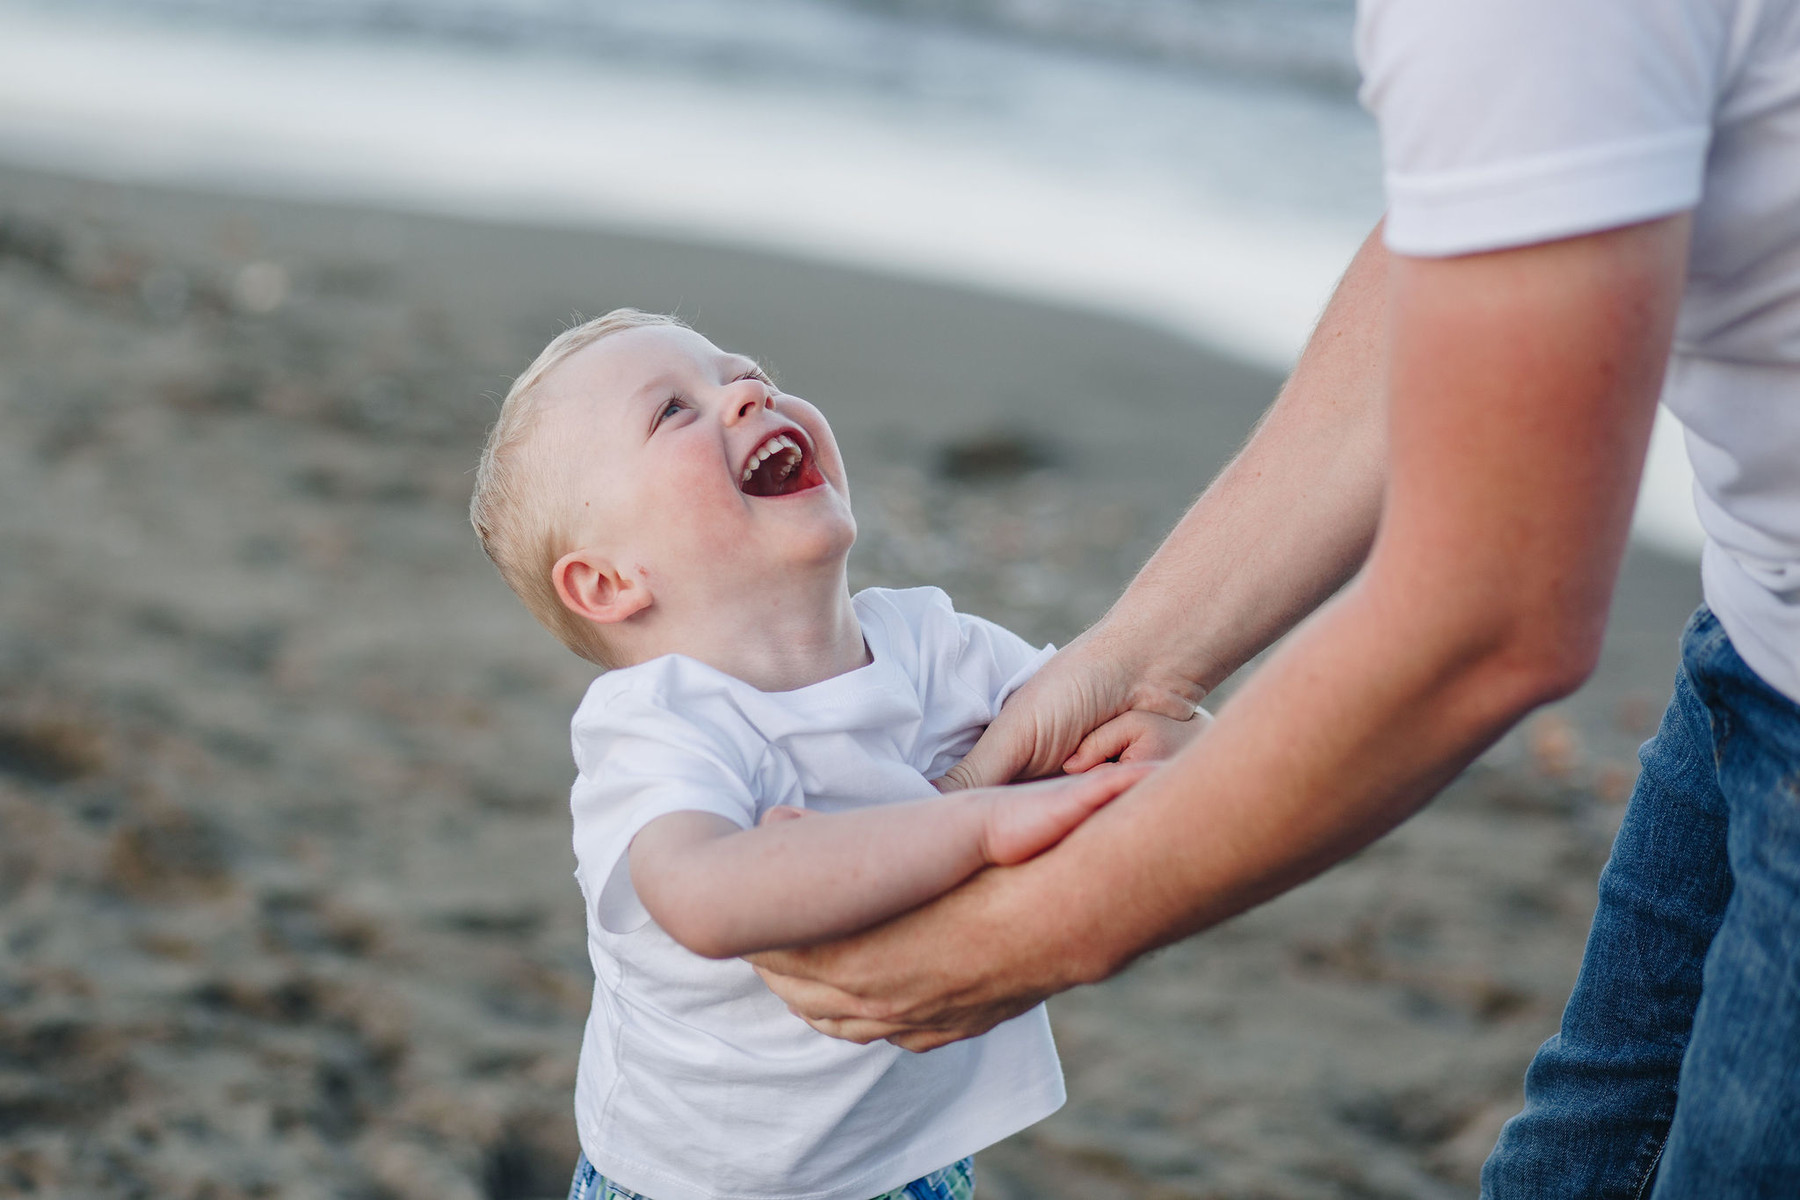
{"x":769,"y":449}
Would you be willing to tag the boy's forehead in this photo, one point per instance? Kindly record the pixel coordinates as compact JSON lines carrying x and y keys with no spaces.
{"x":620,"y":367}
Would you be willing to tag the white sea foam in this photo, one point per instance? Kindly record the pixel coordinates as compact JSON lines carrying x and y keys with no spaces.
{"x":1222,"y":211}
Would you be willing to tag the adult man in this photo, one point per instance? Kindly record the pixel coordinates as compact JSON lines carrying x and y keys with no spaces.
{"x":1576,"y":188}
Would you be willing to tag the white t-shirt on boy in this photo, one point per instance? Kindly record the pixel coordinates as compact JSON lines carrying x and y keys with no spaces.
{"x":1507,"y":122}
{"x":695,"y":1082}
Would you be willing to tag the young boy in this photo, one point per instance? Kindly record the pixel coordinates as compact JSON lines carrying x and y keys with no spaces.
{"x":754,"y":771}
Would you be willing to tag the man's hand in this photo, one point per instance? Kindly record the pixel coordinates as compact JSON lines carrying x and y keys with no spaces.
{"x":960,"y":965}
{"x":1048,"y":720}
{"x":950,"y":970}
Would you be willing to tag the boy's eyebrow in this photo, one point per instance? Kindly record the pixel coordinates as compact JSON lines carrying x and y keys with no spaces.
{"x":655,"y":388}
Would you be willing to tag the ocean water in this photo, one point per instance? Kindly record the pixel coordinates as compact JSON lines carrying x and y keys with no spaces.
{"x":1304,"y":42}
{"x":1201,"y":165}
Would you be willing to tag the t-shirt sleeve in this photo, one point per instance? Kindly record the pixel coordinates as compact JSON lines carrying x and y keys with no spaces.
{"x":994,"y":662}
{"x":638,"y":761}
{"x":969,"y":666}
{"x":1508,"y":122}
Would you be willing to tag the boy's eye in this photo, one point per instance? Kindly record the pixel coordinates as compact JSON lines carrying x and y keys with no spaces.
{"x":668,"y":410}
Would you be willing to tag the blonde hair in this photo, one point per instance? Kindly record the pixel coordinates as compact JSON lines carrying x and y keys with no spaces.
{"x":516,"y":511}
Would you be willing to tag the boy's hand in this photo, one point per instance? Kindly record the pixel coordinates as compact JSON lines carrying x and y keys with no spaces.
{"x":1136,"y":737}
{"x":1023,"y":820}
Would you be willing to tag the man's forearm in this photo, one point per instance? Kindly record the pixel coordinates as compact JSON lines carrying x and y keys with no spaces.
{"x":1360,"y":718}
{"x":1283,"y":526}
{"x":1286,"y":523}
{"x":1523,"y":386}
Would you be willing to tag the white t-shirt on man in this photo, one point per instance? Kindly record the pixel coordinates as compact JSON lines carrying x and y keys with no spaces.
{"x":695,"y":1082}
{"x":1507,"y":122}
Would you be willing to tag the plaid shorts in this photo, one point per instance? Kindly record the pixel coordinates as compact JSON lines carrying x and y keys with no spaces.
{"x":954,"y":1182}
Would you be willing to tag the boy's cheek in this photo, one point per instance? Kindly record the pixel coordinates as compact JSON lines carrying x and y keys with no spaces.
{"x":818,"y":429}
{"x":674,"y":519}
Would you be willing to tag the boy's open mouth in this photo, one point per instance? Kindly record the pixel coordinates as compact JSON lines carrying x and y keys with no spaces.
{"x":780,"y":466}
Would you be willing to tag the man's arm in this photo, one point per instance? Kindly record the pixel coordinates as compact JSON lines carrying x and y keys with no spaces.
{"x":723,"y":891}
{"x":1522,"y":385}
{"x":1281,"y":528}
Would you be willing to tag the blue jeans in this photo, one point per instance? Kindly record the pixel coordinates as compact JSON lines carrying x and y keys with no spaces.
{"x":1676,"y":1075}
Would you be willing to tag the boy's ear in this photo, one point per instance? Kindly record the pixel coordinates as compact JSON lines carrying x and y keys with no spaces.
{"x":589,"y":585}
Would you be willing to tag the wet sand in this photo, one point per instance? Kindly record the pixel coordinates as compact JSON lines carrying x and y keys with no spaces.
{"x":284,"y":887}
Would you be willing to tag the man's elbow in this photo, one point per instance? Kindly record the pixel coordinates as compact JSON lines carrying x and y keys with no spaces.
{"x":1546,"y":660}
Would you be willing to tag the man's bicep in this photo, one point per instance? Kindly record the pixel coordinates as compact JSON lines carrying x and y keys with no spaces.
{"x":1522,"y":387}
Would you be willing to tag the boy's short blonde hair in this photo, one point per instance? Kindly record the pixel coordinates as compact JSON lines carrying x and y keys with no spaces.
{"x":522,"y":508}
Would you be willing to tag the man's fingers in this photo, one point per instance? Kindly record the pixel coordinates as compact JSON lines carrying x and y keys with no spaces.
{"x":860,"y":1031}
{"x":832,"y":1011}
{"x":920,"y":1041}
{"x":810,"y":999}
{"x":863,"y":1031}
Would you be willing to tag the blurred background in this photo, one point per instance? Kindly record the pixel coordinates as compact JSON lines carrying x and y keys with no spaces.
{"x":285,"y":907}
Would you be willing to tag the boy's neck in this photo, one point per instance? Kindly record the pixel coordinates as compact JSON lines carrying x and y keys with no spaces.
{"x":775,"y":641}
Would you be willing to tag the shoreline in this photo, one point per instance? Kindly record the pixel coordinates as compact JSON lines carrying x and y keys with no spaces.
{"x":944,"y":193}
{"x":932,"y":194}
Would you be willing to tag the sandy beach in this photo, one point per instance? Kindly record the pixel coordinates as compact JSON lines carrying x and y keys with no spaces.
{"x":284,"y":864}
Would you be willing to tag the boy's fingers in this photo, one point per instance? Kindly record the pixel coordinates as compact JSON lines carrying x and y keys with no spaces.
{"x":1112,"y":776}
{"x":1103,"y":783}
{"x":1095,"y":749}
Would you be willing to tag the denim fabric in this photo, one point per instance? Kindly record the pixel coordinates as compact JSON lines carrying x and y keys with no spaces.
{"x":954,"y":1182}
{"x":1676,"y":1073}
{"x":590,"y":1184}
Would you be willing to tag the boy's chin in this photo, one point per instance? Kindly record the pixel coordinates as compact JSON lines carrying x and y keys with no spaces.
{"x":818,"y":538}
{"x":823,"y":553}
{"x":811,"y":552}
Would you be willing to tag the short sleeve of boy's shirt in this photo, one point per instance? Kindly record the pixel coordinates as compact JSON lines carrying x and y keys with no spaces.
{"x":637,"y":761}
{"x":1508,"y":122}
{"x":966,"y":668}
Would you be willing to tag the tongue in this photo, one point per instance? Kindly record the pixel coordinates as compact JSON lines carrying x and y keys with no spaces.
{"x":781,"y":475}
{"x":773,"y":476}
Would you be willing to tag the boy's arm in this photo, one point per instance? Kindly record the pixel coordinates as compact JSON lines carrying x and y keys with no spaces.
{"x":722,"y":891}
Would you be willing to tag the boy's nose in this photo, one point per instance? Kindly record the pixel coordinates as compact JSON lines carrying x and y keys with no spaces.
{"x":753,"y":396}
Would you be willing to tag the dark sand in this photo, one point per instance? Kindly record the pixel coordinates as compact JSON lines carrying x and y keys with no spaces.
{"x":284,"y":890}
